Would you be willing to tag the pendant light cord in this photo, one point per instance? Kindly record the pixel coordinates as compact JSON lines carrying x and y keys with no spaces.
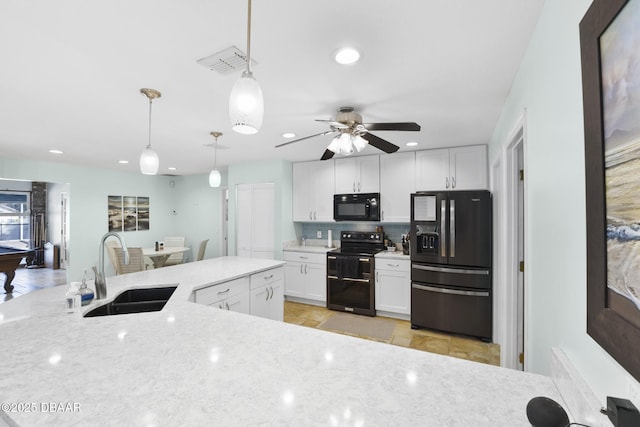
{"x":249,"y":37}
{"x":215,"y":153}
{"x":149,"y":144}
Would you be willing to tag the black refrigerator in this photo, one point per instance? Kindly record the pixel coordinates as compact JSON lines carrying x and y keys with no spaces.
{"x":451,"y":252}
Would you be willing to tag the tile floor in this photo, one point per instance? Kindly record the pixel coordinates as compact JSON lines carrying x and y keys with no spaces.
{"x":28,"y":280}
{"x":419,"y":339}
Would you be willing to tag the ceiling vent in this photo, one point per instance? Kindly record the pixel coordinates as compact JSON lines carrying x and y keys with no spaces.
{"x":227,"y":61}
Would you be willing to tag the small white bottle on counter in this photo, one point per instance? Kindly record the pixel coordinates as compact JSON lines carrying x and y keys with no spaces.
{"x":329,"y":239}
{"x":72,"y":298}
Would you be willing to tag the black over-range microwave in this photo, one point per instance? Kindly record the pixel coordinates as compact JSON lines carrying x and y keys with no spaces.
{"x":356,"y":207}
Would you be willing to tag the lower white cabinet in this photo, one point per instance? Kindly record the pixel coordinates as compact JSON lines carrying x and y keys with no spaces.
{"x":393,"y":286}
{"x":259,"y":294}
{"x":232,"y":295}
{"x":267,"y":294}
{"x":306,"y":275}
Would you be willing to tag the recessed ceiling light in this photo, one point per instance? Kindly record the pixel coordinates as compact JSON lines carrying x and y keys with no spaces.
{"x":346,"y":56}
{"x":171,"y":168}
{"x":56,"y":152}
{"x":412,"y":144}
{"x":288,"y":135}
{"x":123,"y":162}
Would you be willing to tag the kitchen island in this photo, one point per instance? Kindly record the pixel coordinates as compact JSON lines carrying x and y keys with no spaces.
{"x":191,"y":364}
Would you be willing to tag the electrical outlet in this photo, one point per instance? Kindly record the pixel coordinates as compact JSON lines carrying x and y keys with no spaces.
{"x":634,"y":393}
{"x":319,"y":234}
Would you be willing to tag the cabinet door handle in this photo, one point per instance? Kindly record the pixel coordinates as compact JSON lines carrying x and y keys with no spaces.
{"x":377,"y":277}
{"x":270,"y":287}
{"x":453,"y":182}
{"x":227,"y":304}
{"x":302,"y":257}
{"x":382,"y":215}
{"x":268,"y":277}
{"x":310,"y":214}
{"x":224,"y":292}
{"x":359,"y":187}
{"x":354,"y":186}
{"x":300,"y":268}
{"x":392,"y":265}
{"x":314,"y":215}
{"x":305,"y":269}
{"x":446,"y":182}
{"x":266,"y":298}
{"x":221,"y":306}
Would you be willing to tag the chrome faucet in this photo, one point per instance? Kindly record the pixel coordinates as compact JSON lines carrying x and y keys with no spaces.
{"x":100,"y":281}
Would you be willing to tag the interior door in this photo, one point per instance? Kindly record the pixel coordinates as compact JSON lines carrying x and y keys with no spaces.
{"x":470,"y":228}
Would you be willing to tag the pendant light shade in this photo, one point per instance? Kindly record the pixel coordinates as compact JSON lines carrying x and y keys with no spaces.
{"x":149,"y":161}
{"x":246,"y":105}
{"x":214,"y":176}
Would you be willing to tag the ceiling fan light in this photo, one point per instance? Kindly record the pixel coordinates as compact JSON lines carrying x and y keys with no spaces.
{"x":334,"y":145}
{"x":215,"y":178}
{"x":246,"y":105}
{"x":345,"y":144}
{"x":149,"y":161}
{"x":346,"y":56}
{"x":359,"y":143}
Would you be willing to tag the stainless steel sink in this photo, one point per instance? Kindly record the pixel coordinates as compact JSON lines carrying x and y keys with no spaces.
{"x":135,"y":301}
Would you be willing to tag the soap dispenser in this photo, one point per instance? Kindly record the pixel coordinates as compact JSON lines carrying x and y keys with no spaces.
{"x":86,"y":294}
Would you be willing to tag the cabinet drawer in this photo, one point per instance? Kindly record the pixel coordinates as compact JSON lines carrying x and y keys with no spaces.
{"x":305,"y":257}
{"x":221,"y":291}
{"x":386,"y":264}
{"x":266,"y":277}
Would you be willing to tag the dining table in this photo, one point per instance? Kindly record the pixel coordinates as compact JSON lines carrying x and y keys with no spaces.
{"x":159,"y":257}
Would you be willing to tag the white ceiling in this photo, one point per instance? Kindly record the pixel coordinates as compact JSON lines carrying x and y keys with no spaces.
{"x":71,"y":70}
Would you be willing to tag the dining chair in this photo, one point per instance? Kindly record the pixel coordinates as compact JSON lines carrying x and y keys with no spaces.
{"x":136,"y":260}
{"x":174,"y":241}
{"x":201,"y":249}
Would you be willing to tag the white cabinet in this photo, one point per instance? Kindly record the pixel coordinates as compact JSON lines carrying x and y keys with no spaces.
{"x":267,"y":294}
{"x":357,"y":175}
{"x":313,"y":185}
{"x":445,"y":169}
{"x":393,"y":286}
{"x":255,"y":220}
{"x":306,"y":275}
{"x":397,"y":182}
{"x":232,"y":295}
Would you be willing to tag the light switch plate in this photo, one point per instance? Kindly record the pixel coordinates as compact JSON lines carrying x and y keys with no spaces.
{"x":319,"y":234}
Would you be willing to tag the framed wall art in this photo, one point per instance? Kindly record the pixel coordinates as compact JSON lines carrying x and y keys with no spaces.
{"x":610,"y":47}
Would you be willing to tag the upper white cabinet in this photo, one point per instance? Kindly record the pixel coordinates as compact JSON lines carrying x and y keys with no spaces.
{"x":397,"y":182}
{"x":357,"y":175}
{"x":459,"y":168}
{"x":313,"y":184}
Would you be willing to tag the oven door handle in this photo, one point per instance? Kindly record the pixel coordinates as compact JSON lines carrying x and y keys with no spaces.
{"x":348,"y":279}
{"x":450,"y":291}
{"x":450,"y":270}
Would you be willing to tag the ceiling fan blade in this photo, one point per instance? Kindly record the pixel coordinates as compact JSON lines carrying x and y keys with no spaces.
{"x":409,"y":126}
{"x":333,"y":123}
{"x":327,"y":155}
{"x":380,"y":143}
{"x":306,"y":137}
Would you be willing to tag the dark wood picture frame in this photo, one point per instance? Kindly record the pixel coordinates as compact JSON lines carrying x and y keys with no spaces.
{"x":618,"y":336}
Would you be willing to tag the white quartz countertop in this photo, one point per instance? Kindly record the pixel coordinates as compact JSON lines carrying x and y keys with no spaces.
{"x":191,"y":364}
{"x":309,"y":248}
{"x":392,"y":255}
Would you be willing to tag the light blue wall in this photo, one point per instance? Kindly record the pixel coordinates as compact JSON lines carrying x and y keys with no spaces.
{"x":278,"y":172}
{"x":195,"y":203}
{"x":548,"y":85}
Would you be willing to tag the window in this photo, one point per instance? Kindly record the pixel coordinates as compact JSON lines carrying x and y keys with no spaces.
{"x":15,"y":216}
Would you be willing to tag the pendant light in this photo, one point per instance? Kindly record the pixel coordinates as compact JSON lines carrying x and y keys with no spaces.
{"x":214,"y":175}
{"x":246,"y":105}
{"x":149,"y":161}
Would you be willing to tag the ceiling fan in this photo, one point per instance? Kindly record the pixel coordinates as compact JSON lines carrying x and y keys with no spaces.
{"x":353,"y":134}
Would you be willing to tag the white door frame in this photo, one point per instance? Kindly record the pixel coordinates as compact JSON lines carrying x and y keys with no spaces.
{"x":509,"y":247}
{"x":224,"y":221}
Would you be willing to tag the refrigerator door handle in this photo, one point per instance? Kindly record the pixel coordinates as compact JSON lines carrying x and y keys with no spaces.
{"x":443,"y":225}
{"x":452,"y":228}
{"x":450,"y":291}
{"x":450,"y":270}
